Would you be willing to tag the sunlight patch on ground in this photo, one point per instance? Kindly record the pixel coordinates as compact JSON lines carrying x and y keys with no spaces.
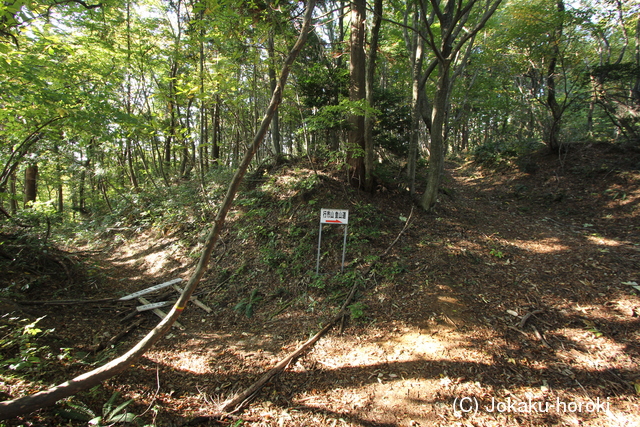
{"x":602,"y":241}
{"x":156,"y":262}
{"x":599,"y":353}
{"x":364,"y":353}
{"x":541,"y":246}
{"x":410,"y":346}
{"x":183,"y":361}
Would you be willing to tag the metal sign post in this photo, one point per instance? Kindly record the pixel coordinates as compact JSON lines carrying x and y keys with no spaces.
{"x":337,"y":217}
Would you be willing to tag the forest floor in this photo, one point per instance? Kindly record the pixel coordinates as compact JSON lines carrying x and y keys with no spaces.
{"x":513,"y":304}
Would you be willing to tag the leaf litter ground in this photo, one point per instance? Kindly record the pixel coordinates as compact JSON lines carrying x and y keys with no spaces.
{"x":512,"y":304}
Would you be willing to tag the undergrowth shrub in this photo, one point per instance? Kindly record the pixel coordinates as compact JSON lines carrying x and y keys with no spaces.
{"x":500,"y":152}
{"x":21,"y":350}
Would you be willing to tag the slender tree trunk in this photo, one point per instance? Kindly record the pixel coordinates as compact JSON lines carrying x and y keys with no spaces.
{"x":556,"y":110}
{"x":635,"y":93}
{"x":416,"y":95}
{"x":173,"y":120}
{"x":370,"y":76}
{"x":13,"y":202}
{"x":28,"y":404}
{"x":215,"y":141}
{"x":204,"y":123}
{"x":275,"y":126}
{"x":132,"y":172}
{"x":128,"y":104}
{"x":60,"y":194}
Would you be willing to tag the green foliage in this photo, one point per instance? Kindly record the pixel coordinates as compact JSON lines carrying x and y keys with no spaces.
{"x":393,"y":121}
{"x":19,"y":347}
{"x":391,"y":271}
{"x":336,"y":117}
{"x":617,"y":73}
{"x":496,"y":253}
{"x":247,"y":305}
{"x":111,"y":414}
{"x":322,"y":85}
{"x":357,"y":310}
{"x":497,"y":153}
{"x":39,"y":213}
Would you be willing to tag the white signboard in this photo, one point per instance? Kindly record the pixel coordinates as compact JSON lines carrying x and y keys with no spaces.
{"x":337,"y":217}
{"x":334,"y":216}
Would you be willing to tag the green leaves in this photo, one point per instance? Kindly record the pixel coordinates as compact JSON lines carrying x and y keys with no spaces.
{"x":111,"y":414}
{"x":337,"y":116}
{"x":23,"y":340}
{"x":247,"y":305}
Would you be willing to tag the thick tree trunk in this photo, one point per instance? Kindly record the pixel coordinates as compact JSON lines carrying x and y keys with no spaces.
{"x":438,"y":143}
{"x":357,"y":92}
{"x":28,"y":404}
{"x":30,"y":184}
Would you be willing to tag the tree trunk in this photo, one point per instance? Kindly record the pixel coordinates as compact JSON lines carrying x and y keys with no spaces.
{"x":275,"y":126}
{"x":28,"y":404}
{"x":416,"y":95}
{"x":635,"y":92}
{"x":357,"y":92}
{"x":204,"y":123}
{"x":438,"y":143}
{"x":13,"y":203}
{"x":215,"y":134}
{"x":556,"y":110}
{"x":370,"y":76}
{"x":30,"y":184}
{"x":454,"y":34}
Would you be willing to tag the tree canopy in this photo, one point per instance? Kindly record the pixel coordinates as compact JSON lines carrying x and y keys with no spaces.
{"x":106,"y":97}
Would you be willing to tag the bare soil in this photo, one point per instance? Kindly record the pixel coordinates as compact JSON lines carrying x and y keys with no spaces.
{"x":512,"y":304}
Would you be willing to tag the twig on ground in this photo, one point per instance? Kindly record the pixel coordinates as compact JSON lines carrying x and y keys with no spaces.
{"x":527,"y":317}
{"x":540,"y":337}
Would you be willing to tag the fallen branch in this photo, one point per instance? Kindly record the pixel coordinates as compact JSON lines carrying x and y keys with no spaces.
{"x":26,"y":404}
{"x":406,"y":225}
{"x":68,"y":302}
{"x":4,"y":212}
{"x":114,"y":339}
